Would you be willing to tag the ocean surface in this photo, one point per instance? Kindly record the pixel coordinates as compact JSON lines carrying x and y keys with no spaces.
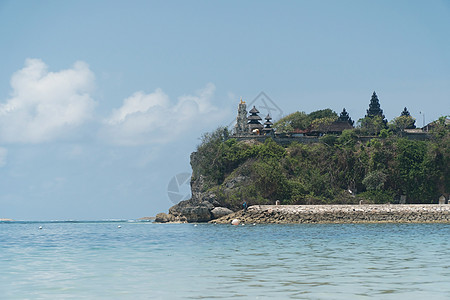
{"x":141,"y":260}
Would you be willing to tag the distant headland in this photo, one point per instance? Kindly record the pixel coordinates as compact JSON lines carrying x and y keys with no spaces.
{"x":320,"y":158}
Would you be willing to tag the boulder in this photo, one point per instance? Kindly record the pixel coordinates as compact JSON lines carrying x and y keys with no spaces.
{"x":162,"y":218}
{"x":219,"y":212}
{"x":192,"y":211}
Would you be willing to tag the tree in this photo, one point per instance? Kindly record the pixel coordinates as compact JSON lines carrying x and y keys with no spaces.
{"x":348,"y":138}
{"x":297,"y":120}
{"x":402,"y":122}
{"x":413,"y":176}
{"x":372,"y":125}
{"x":322,"y":113}
{"x":209,"y":157}
{"x":374,"y":180}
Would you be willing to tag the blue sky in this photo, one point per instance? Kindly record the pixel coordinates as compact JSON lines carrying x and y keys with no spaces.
{"x":102,"y":102}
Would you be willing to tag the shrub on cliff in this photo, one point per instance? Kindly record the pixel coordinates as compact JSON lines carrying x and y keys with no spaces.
{"x":209,"y":155}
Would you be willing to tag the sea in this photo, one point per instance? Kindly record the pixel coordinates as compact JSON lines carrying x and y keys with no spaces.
{"x":128,"y":259}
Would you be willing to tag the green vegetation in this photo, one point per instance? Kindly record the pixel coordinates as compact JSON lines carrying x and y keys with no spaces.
{"x":377,"y":171}
{"x":372,"y":125}
{"x":402,"y":122}
{"x":303,"y":121}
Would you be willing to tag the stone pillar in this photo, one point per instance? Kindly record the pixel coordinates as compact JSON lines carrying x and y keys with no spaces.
{"x":442,"y":199}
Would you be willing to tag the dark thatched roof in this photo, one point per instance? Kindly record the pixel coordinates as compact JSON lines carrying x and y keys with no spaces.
{"x":254,"y":110}
{"x":253,"y":117}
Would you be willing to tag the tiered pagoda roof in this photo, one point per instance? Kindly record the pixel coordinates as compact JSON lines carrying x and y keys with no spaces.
{"x":344,"y":117}
{"x":253,"y":121}
{"x":268,"y":125}
{"x":405,"y":112}
{"x":374,"y":107}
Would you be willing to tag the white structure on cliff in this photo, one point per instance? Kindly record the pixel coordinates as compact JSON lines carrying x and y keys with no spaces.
{"x":241,"y":127}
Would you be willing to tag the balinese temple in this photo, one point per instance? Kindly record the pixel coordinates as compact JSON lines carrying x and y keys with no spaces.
{"x":375,"y":109}
{"x":344,"y":117}
{"x":254,"y":125}
{"x":268,"y":126}
{"x":241,"y":127}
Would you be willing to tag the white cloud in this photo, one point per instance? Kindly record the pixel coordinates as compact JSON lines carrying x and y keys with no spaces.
{"x":46,"y":105}
{"x":138,"y":103}
{"x":153,"y":118}
{"x":3,"y":155}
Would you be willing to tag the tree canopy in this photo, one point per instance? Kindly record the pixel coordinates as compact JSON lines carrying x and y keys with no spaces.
{"x":303,"y":121}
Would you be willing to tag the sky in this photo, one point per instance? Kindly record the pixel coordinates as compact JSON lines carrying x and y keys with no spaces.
{"x":102,"y":102}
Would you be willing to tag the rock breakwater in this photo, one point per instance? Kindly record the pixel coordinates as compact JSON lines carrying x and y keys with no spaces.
{"x":290,"y":214}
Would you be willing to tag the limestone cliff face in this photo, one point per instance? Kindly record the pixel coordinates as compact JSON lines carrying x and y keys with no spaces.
{"x":203,"y":205}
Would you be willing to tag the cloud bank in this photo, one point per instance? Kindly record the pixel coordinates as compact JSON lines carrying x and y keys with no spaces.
{"x":46,"y":105}
{"x":153,"y":118}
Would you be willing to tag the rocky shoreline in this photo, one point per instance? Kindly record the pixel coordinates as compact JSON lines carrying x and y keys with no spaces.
{"x":293,"y":214}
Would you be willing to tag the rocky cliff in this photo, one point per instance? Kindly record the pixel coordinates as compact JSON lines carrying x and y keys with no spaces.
{"x":203,"y":205}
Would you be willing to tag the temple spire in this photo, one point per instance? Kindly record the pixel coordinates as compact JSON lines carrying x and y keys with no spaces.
{"x":344,"y":117}
{"x":375,"y":109}
{"x":405,"y":112}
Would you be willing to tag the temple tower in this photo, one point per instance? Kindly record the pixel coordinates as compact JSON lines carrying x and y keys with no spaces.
{"x":241,"y":127}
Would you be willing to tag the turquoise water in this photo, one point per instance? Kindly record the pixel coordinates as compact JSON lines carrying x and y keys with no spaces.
{"x":98,"y":260}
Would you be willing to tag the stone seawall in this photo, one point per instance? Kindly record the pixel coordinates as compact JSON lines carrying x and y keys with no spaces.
{"x":290,"y":214}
